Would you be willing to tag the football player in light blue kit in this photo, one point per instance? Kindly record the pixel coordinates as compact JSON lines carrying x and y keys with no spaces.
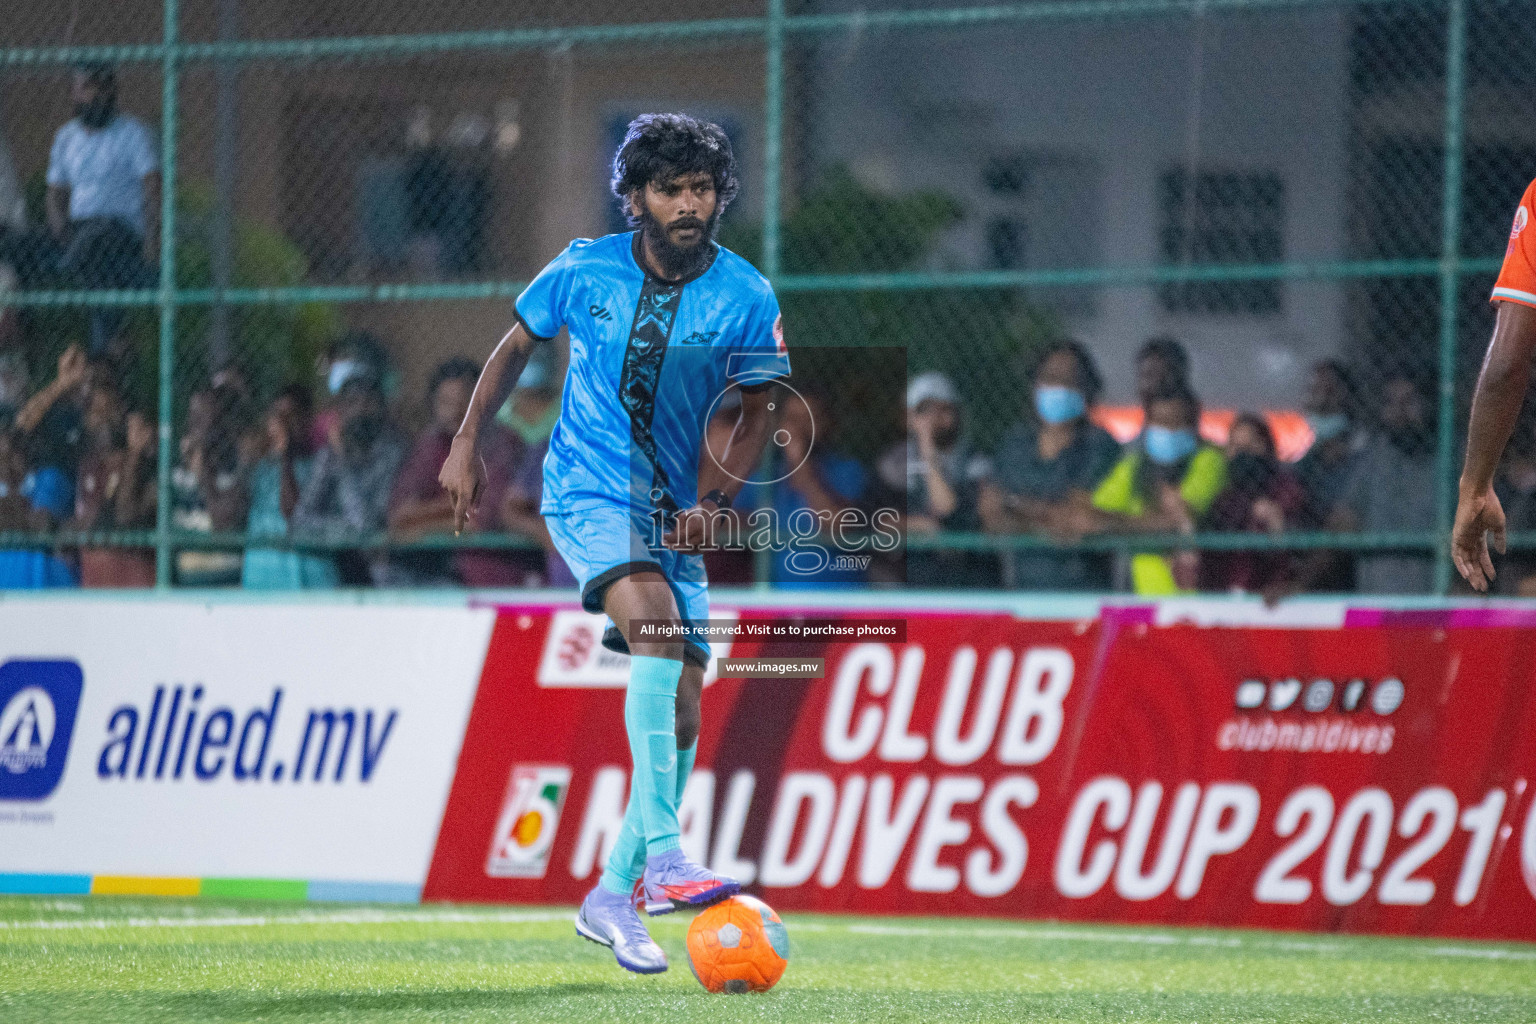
{"x":662,"y":322}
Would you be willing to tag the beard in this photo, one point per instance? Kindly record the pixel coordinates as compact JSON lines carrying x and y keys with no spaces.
{"x":97,"y":113}
{"x":679,"y":261}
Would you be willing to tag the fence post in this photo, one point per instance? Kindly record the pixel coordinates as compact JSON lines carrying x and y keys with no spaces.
{"x":773,"y":138}
{"x":168,"y":115}
{"x":1450,"y":285}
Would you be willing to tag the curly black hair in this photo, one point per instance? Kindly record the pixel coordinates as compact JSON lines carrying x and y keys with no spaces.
{"x":659,"y":147}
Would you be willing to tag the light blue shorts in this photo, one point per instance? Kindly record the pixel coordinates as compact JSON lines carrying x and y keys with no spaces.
{"x":604,"y":543}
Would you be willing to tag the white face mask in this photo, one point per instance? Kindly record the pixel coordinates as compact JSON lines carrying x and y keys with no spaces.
{"x":342,"y":370}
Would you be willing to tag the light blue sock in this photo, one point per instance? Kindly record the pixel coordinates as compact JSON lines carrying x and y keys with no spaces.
{"x":627,"y":862}
{"x":650,"y":718}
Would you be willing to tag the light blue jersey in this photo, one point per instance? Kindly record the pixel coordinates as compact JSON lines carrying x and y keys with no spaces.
{"x":650,"y":360}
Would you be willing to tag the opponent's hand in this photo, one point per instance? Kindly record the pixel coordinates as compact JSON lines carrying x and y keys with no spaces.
{"x":461,"y":478}
{"x":1477,"y":515}
{"x":693,"y":529}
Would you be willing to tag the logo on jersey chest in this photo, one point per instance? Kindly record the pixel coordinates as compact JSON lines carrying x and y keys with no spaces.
{"x":700,"y":338}
{"x":599,"y":312}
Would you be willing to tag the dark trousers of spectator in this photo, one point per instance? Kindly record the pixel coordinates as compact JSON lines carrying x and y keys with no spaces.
{"x":105,"y":253}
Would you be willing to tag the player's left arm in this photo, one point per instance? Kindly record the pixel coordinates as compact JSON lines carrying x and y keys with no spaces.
{"x":753,"y":425}
{"x":1501,"y":388}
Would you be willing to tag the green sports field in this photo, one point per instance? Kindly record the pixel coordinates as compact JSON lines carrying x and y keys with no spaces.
{"x":122,"y":960}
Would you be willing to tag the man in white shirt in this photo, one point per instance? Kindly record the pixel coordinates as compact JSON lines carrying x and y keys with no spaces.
{"x":104,"y":196}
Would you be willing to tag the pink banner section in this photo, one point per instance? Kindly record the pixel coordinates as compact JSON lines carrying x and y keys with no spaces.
{"x":1366,"y":778}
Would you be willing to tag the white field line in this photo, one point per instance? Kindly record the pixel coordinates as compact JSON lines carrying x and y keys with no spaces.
{"x":913,"y":931}
{"x":278,"y":921}
{"x":1160,"y":939}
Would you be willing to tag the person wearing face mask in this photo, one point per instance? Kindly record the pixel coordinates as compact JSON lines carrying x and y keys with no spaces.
{"x":1165,"y":483}
{"x":1262,"y":496}
{"x":347,"y":495}
{"x":1047,"y":467}
{"x":1392,"y":488}
{"x":937,"y":470}
{"x":103,"y":197}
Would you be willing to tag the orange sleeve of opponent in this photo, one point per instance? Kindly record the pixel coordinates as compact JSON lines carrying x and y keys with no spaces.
{"x":1517,"y":280}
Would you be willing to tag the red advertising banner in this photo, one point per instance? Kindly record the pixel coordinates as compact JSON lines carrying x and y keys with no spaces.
{"x":1370,"y":777}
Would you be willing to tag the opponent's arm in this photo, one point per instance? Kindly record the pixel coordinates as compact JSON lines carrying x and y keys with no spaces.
{"x":460,"y":475}
{"x":753,"y":425}
{"x":1496,"y":403}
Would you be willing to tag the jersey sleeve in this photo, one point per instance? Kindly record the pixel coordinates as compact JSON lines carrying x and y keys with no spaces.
{"x":541,"y":308}
{"x":1517,"y":279}
{"x":760,"y":356}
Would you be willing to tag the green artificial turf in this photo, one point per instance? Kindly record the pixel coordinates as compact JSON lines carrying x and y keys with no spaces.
{"x":129,"y":960}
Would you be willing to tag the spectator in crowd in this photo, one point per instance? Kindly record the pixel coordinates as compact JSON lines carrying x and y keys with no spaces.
{"x":1164,"y":484}
{"x":531,"y":412}
{"x":821,"y":483}
{"x":1392,"y":489}
{"x":348,"y":492}
{"x":115,"y":489}
{"x":1332,"y":412}
{"x":104,"y":197}
{"x":53,"y":423}
{"x":1261,"y":496}
{"x":1047,"y":467}
{"x":24,"y":568}
{"x":729,"y":562}
{"x":939,"y":472}
{"x":1515,"y":486}
{"x":15,"y":384}
{"x":418,"y":505}
{"x":534,"y":405}
{"x":355,"y":353}
{"x":278,"y":476}
{"x":208,"y":483}
{"x":1162,"y":365}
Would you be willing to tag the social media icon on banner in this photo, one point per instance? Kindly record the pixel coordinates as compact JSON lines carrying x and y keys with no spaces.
{"x":530,"y":814}
{"x":38,"y":701}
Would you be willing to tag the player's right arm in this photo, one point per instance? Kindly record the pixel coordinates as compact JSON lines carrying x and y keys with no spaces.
{"x":460,"y":475}
{"x":540,"y":314}
{"x":1501,"y":388}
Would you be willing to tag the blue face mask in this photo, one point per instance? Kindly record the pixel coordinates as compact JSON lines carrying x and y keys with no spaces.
{"x":1057,"y":404}
{"x":341,"y":371}
{"x":1165,"y":447}
{"x":1327,"y":427}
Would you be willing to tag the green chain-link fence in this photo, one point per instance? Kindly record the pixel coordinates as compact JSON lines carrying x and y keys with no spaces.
{"x":1271,"y":182}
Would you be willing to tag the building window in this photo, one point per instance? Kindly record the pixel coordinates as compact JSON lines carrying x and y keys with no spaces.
{"x":1040,"y":211}
{"x":1215,"y":217}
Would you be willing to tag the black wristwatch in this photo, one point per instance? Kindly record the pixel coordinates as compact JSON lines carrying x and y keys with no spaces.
{"x":719,"y":497}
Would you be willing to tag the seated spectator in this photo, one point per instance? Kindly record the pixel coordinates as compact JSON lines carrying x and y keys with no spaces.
{"x":1262,"y":496}
{"x":15,"y":384}
{"x":1392,"y":489}
{"x":116,"y":489}
{"x":22,"y":568}
{"x":1164,"y":484}
{"x":278,"y":476}
{"x":1048,"y":465}
{"x":727,"y":563}
{"x":1332,"y":412}
{"x":531,"y":411}
{"x":1162,"y":365}
{"x":938,"y":471}
{"x":208,"y":484}
{"x":347,"y":496}
{"x":418,"y":505}
{"x":821,"y":482}
{"x":354,"y":353}
{"x":1515,"y":487}
{"x":52,"y":422}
